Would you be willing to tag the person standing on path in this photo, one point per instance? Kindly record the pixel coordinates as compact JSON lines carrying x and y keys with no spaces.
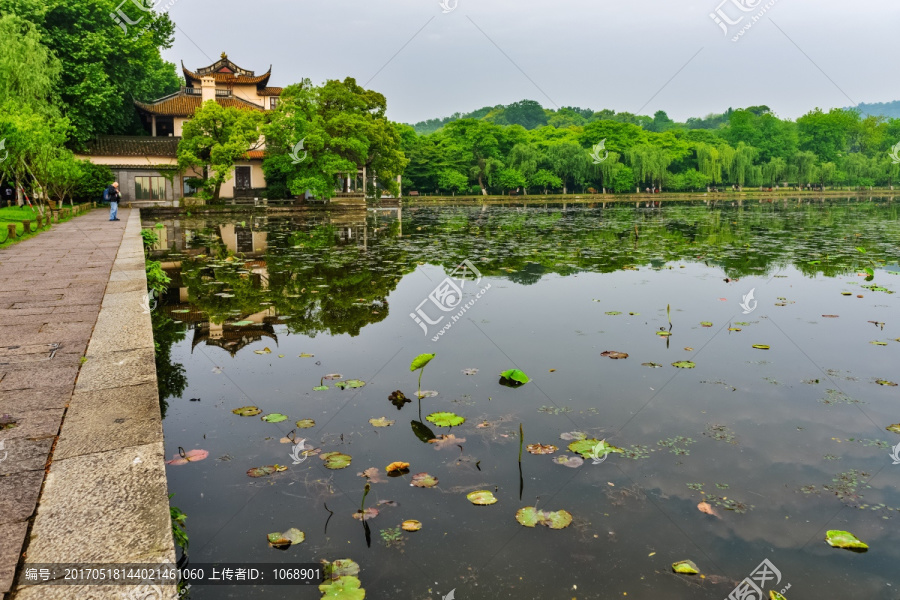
{"x":113,"y":195}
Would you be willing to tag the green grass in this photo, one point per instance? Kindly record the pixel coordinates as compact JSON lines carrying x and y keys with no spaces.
{"x":17,"y":214}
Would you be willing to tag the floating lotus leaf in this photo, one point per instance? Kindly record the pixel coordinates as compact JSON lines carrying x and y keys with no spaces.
{"x":336,"y":460}
{"x":773,"y":595}
{"x":761,"y":346}
{"x":423,"y":480}
{"x":398,"y":399}
{"x":844,"y":539}
{"x":333,"y":377}
{"x":342,"y":588}
{"x":340,"y":568}
{"x":411,"y":525}
{"x":274,"y":418}
{"x":469,"y":371}
{"x":531,"y":516}
{"x":885,"y":382}
{"x":652,"y":365}
{"x":573,"y":435}
{"x":877,"y":343}
{"x":446,"y":419}
{"x":573,"y":462}
{"x":481,"y":498}
{"x":541,"y":448}
{"x":288,"y":538}
{"x":664,"y":333}
{"x":247,"y":411}
{"x":305,"y":423}
{"x":684,"y":364}
{"x":397,"y":467}
{"x":426,"y":394}
{"x":263,"y":351}
{"x":446,"y":441}
{"x":320,"y":388}
{"x":587,"y":448}
{"x":263,"y":471}
{"x":381,"y":422}
{"x":735,"y":329}
{"x":306,"y":355}
{"x":365,"y":515}
{"x":349,"y":383}
{"x":706,"y":323}
{"x":895,"y":428}
{"x":420,"y":361}
{"x":613,"y":313}
{"x":189,"y":456}
{"x":685,"y":567}
{"x":515,"y":377}
{"x":614,"y":354}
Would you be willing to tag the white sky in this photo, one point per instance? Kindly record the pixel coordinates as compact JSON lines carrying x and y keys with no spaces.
{"x":618,"y":54}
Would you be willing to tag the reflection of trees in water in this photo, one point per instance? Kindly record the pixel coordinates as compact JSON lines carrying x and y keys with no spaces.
{"x":361,"y":260}
{"x":171,"y":378}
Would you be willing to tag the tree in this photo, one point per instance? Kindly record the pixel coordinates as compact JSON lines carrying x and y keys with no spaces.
{"x":103,"y":67}
{"x":214,"y":139}
{"x":343,"y":128}
{"x":479,"y":141}
{"x":570,"y":162}
{"x":511,"y":179}
{"x":453,"y":181}
{"x":547,"y":180}
{"x":30,"y":123}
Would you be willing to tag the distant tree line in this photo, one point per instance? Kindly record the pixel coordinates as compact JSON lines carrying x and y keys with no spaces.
{"x":527,"y":148}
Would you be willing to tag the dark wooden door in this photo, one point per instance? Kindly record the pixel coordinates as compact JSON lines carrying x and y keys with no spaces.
{"x":242,"y":178}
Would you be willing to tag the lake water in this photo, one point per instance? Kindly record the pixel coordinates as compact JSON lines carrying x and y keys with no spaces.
{"x":781,"y":444}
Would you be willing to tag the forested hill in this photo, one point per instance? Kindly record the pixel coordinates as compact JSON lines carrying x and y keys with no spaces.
{"x":890,"y":110}
{"x":531,"y":115}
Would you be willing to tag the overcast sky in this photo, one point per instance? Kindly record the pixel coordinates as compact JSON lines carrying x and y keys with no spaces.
{"x":626,"y":55}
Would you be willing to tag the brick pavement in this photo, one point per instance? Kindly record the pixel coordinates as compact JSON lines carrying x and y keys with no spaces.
{"x":51,"y":289}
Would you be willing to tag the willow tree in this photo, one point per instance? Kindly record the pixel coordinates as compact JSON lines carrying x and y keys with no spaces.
{"x":742,"y":167}
{"x":774,"y":170}
{"x":650,"y":164}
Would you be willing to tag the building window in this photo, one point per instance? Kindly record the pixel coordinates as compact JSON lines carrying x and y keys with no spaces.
{"x":149,"y":188}
{"x":188,"y":189}
{"x":273,"y":102}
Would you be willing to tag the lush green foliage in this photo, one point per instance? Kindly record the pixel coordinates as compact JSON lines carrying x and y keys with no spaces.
{"x":102,"y":68}
{"x":343,"y":128}
{"x":213,"y":140}
{"x":507,"y":148}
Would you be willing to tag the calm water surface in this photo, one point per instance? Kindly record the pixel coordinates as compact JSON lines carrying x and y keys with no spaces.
{"x":782,"y":444}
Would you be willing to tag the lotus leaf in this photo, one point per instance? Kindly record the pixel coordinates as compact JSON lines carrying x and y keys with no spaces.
{"x":844,"y":539}
{"x":481,"y":498}
{"x":446,"y":419}
{"x":423,"y":480}
{"x":685,"y":567}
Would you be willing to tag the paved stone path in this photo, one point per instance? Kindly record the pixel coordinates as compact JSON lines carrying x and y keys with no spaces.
{"x":88,"y":436}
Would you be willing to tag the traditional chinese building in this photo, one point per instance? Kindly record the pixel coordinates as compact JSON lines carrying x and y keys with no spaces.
{"x":146,"y":166}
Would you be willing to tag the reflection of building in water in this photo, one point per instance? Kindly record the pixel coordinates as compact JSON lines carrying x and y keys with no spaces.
{"x":243,"y":239}
{"x":232,"y":337}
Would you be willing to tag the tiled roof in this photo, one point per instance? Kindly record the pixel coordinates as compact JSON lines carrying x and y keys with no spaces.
{"x":256,"y":154}
{"x":259,"y":80}
{"x":183,"y":105}
{"x":270,"y":91}
{"x":126,"y":145}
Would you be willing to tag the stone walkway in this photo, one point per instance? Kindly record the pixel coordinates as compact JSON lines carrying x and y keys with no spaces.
{"x":83,"y":465}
